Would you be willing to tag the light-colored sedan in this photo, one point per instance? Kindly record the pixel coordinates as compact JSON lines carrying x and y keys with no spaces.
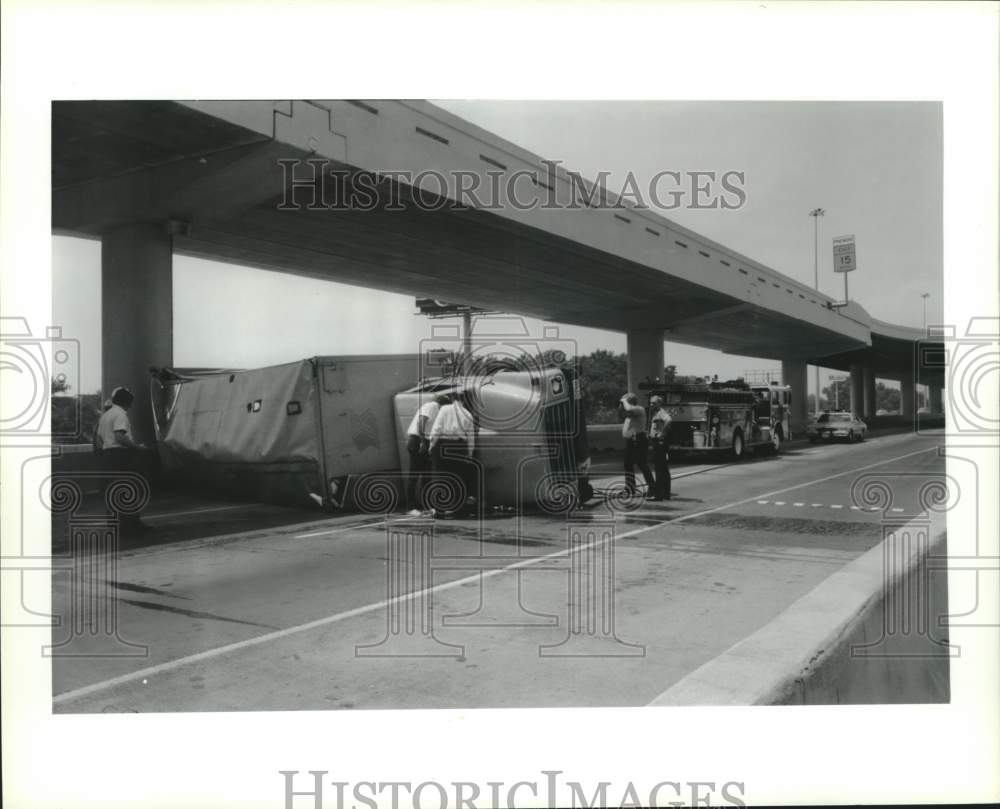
{"x":837,"y":427}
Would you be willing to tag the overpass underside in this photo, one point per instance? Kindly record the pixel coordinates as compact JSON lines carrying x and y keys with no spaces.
{"x":115,"y":163}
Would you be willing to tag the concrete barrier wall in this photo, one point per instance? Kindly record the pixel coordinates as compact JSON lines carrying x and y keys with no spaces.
{"x":87,"y":470}
{"x":869,"y":634}
{"x":605,"y":437}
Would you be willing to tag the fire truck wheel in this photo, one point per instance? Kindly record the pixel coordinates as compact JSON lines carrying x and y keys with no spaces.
{"x":776,"y":441}
{"x":738,"y":448}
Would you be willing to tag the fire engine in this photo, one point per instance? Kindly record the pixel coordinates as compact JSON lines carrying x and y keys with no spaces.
{"x":731,"y":415}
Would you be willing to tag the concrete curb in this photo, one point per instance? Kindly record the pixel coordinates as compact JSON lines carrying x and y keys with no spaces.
{"x":805,"y":655}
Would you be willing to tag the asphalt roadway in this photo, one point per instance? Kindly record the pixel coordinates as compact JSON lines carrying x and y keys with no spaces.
{"x":607,"y":606}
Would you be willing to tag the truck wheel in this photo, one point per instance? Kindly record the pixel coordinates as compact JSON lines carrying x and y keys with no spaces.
{"x":776,"y":441}
{"x":738,"y":449}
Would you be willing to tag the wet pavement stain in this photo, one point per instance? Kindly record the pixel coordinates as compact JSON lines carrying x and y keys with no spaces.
{"x":786,"y":525}
{"x":148,"y":605}
{"x":140,"y":588}
{"x":470,"y":533}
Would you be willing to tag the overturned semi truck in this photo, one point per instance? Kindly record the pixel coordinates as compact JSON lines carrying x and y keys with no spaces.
{"x":530,"y":433}
{"x":331,"y":431}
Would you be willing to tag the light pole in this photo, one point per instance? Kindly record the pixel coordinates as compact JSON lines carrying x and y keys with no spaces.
{"x":925,"y":296}
{"x":816,"y":213}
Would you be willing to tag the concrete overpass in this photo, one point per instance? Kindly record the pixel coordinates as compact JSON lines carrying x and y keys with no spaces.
{"x":215,"y":179}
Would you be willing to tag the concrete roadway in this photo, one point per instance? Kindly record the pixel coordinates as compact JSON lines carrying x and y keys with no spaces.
{"x":295,"y":616}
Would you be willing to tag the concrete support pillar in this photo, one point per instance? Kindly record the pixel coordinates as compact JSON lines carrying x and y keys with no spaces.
{"x":857,"y":389}
{"x":935,"y":400}
{"x":645,"y":356}
{"x":795,"y":374}
{"x":907,"y":393}
{"x":868,"y":399}
{"x":136,"y":314}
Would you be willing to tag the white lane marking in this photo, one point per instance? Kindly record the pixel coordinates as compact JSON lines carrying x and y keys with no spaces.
{"x":329,"y":619}
{"x":899,"y":510}
{"x":798,"y":505}
{"x":208,"y":654}
{"x":836,"y":506}
{"x":855,"y":508}
{"x":342,"y":529}
{"x":167,"y":514}
{"x":816,"y":505}
{"x":763,"y":502}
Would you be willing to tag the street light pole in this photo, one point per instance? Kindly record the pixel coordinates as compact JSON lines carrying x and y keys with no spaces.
{"x":925,"y":296}
{"x":816,"y":213}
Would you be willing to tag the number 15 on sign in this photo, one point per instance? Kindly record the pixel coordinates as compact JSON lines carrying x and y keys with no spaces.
{"x":845,"y":258}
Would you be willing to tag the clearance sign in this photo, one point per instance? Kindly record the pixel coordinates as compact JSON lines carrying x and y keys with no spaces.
{"x":845,"y":258}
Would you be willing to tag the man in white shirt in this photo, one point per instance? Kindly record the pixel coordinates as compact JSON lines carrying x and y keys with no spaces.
{"x":636,"y":442}
{"x":114,"y":430}
{"x":658,"y":435}
{"x":418,"y":448}
{"x":118,"y":450}
{"x":452,"y":444}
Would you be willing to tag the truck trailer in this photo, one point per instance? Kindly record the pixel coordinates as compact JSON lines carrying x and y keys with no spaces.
{"x":291,"y":434}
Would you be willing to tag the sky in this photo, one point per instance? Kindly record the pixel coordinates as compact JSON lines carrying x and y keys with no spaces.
{"x":874,"y":167}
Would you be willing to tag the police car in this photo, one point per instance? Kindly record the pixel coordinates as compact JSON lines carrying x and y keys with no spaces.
{"x":836,"y":426}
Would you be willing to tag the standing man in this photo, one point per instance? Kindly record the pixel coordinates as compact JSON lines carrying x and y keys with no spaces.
{"x":636,"y":442}
{"x":118,"y":450}
{"x":418,"y":448}
{"x":451,"y":444}
{"x":659,"y":436}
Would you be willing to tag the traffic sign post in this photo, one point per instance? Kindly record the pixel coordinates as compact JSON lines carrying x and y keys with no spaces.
{"x":437,"y":308}
{"x":845,"y":258}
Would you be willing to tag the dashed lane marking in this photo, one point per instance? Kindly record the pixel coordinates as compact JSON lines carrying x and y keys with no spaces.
{"x":824,"y":505}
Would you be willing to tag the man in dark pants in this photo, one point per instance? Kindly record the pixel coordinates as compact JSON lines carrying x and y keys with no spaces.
{"x":636,"y":442}
{"x":658,"y":436}
{"x":418,"y":448}
{"x":452,"y":447}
